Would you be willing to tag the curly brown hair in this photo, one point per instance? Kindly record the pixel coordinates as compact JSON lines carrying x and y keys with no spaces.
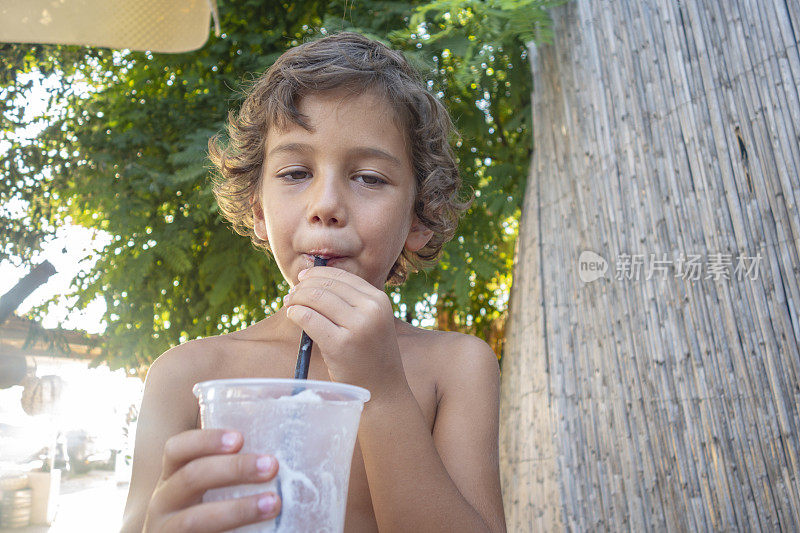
{"x":351,"y":61}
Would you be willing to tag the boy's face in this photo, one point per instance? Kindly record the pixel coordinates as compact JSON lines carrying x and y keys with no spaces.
{"x":344,"y":191}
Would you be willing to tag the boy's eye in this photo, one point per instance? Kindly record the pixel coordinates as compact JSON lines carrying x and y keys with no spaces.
{"x":369,"y":180}
{"x":294,"y":175}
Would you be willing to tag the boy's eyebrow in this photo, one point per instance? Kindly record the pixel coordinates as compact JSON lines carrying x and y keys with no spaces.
{"x":359,"y":151}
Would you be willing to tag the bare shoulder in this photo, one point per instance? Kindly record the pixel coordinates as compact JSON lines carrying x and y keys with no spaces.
{"x":203,"y":358}
{"x":453,"y":356}
{"x":251,"y":352}
{"x":189,"y":359}
{"x":469,"y":364}
{"x":172,"y":375}
{"x":182,"y":364}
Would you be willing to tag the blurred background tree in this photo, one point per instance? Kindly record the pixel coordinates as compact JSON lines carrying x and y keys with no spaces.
{"x":122,"y":149}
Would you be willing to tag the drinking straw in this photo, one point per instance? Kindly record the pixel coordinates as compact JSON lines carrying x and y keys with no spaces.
{"x":304,"y":355}
{"x":300,"y":372}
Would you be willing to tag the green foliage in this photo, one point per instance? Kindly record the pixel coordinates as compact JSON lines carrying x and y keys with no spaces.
{"x":123,"y":150}
{"x":477,"y":53}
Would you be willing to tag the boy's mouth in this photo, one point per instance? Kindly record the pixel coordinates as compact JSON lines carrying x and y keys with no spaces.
{"x":328,"y":256}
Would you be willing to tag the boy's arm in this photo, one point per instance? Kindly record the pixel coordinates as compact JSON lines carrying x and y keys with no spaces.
{"x":448,"y":481}
{"x":174,"y":463}
{"x":164,"y":413}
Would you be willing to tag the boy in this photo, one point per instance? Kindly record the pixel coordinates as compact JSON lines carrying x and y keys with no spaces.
{"x":337,"y":152}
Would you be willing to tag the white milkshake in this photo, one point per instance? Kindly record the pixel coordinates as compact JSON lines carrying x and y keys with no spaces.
{"x":312,"y":434}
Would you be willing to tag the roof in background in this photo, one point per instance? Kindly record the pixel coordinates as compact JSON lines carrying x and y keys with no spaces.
{"x":22,"y":336}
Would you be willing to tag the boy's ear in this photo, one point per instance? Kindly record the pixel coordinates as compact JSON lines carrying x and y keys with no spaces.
{"x":259,"y":223}
{"x":418,"y":236}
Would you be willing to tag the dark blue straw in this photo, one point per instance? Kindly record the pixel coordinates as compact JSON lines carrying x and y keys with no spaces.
{"x":300,"y":372}
{"x":304,"y":355}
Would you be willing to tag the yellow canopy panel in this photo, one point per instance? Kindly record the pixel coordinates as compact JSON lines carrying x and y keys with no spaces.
{"x":169,"y":26}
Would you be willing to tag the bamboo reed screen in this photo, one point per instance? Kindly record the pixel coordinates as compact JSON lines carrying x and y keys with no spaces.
{"x":671,"y":403}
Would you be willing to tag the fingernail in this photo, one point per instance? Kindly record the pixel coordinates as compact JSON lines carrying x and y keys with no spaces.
{"x":264,"y":464}
{"x":230,"y":440}
{"x":302,"y":273}
{"x":267,"y":503}
{"x":285,"y":298}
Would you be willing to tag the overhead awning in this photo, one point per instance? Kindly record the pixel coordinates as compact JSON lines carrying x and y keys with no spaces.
{"x":169,"y":26}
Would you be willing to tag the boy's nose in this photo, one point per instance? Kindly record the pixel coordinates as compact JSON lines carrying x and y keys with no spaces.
{"x":326,"y":204}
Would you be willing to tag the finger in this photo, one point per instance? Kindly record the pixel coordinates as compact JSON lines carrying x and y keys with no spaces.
{"x":189,"y":445}
{"x":188,"y":484}
{"x":352,"y":296}
{"x":225,"y":515}
{"x":318,"y":326}
{"x":337,"y":273}
{"x":323,"y":300}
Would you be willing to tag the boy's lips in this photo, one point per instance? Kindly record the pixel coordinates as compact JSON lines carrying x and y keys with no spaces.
{"x":330,"y":256}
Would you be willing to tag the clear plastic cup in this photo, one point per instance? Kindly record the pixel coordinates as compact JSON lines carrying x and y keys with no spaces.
{"x":310,"y":426}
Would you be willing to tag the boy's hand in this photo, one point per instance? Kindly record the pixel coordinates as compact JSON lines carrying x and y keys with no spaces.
{"x":352,"y":323}
{"x":202,"y":459}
